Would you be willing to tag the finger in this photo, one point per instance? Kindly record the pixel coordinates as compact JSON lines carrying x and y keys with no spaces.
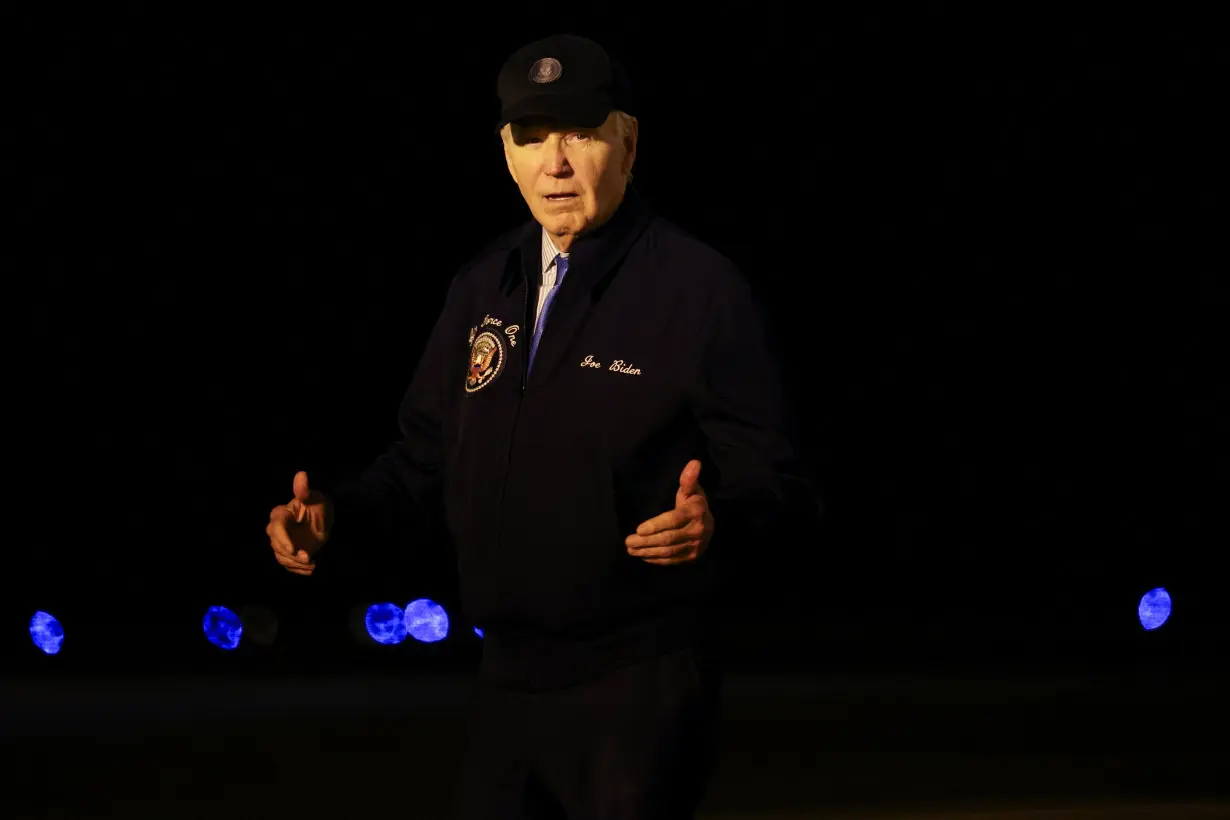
{"x":296,"y":567}
{"x":666,"y":521}
{"x":661,"y":539}
{"x":279,"y":538}
{"x":302,"y":491}
{"x":284,"y":550}
{"x":669,"y":551}
{"x":668,"y":562}
{"x":692,"y":528}
{"x":298,"y":558}
{"x":293,"y":563}
{"x":297,"y":571}
{"x":689,"y":477}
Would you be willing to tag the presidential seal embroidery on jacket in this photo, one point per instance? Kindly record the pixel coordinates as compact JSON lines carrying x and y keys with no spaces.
{"x":487,"y":355}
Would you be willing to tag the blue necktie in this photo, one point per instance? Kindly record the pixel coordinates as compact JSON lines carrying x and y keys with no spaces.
{"x":561,"y":268}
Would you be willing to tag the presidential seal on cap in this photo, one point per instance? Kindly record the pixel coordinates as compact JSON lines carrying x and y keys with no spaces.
{"x":545,"y":70}
{"x":562,"y":80}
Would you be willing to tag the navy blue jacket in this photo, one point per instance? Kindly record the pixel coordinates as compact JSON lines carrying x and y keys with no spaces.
{"x":655,"y":352}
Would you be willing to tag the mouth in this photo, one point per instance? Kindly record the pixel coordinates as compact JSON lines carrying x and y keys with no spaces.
{"x":560,"y":197}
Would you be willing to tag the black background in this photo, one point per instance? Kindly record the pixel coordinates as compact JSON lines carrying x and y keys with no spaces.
{"x":987,"y":240}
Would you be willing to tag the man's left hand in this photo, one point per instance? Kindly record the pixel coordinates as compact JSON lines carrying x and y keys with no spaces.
{"x":680,"y":535}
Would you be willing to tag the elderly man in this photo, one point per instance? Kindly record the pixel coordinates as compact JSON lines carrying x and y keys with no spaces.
{"x":608,"y":358}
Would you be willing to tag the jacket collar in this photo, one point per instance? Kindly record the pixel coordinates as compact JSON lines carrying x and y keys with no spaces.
{"x":590,"y":258}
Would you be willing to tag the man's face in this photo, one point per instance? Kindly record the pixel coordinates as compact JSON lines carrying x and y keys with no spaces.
{"x":587,"y":166}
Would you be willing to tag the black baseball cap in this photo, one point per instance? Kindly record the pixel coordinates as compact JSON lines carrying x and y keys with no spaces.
{"x":565,"y":80}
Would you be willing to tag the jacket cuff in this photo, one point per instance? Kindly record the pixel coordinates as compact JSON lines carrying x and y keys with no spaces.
{"x":793,"y":502}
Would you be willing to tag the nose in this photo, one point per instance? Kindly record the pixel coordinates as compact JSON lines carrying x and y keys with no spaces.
{"x":555,"y":163}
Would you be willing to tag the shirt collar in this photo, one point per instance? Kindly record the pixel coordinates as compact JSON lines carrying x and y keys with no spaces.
{"x":593,"y":256}
{"x":549,"y":251}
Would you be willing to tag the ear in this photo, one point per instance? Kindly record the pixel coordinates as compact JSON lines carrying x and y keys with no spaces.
{"x":630,"y":144}
{"x":508,"y":161}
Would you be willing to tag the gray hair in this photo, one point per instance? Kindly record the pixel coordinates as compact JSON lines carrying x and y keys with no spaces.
{"x":623,"y":129}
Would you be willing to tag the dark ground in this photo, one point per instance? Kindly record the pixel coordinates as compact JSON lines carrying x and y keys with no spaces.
{"x":802,"y":745}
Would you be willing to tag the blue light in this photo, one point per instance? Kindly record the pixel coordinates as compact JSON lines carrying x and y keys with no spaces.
{"x":478,"y":632}
{"x":222,"y":627}
{"x":46,"y":632}
{"x":1154,"y":608}
{"x":386,"y":623}
{"x":426,"y":620}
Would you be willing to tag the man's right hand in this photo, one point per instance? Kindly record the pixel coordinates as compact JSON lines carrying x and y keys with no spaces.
{"x":297,"y":530}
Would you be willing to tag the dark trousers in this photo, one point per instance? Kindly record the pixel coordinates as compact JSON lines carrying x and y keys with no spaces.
{"x":637,"y":743}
